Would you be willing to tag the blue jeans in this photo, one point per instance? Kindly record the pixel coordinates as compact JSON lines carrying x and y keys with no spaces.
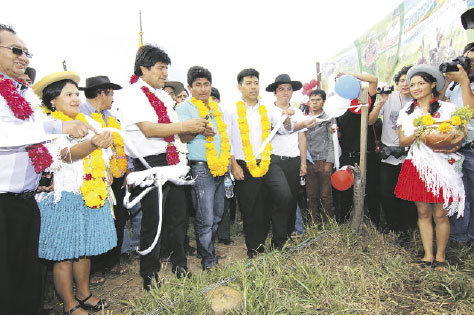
{"x":208,"y":199}
{"x":462,"y":229}
{"x":131,"y":243}
{"x":299,"y":227}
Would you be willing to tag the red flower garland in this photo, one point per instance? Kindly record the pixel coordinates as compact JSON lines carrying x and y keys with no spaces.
{"x":162,"y":112}
{"x":40,"y":157}
{"x":19,"y":106}
{"x":38,"y":153}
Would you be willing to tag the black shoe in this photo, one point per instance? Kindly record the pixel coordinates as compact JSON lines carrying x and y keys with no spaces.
{"x":148,"y":281}
{"x":181,"y":271}
{"x":226,"y":241}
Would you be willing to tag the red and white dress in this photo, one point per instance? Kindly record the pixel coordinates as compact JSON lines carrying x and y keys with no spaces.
{"x":429,"y":176}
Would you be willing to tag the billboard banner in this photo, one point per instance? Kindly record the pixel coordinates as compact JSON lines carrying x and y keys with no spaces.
{"x":416,"y":32}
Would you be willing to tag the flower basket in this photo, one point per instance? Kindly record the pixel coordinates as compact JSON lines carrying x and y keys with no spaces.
{"x":437,"y":140}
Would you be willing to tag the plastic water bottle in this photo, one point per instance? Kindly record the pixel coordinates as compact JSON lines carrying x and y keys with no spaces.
{"x":229,"y":187}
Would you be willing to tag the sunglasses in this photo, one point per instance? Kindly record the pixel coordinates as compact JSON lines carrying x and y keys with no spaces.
{"x":19,"y":51}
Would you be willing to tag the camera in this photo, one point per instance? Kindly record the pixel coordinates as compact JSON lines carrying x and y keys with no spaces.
{"x":385,"y":90}
{"x":465,"y":62}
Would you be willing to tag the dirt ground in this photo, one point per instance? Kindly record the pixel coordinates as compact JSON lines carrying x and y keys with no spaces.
{"x":120,"y":289}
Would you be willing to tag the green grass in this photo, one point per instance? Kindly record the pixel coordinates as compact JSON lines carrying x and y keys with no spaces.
{"x":341,"y":273}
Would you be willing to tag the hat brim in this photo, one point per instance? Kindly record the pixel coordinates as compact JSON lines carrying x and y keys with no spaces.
{"x":296,"y":85}
{"x":52,"y":78}
{"x":430,"y":69}
{"x":108,"y":85}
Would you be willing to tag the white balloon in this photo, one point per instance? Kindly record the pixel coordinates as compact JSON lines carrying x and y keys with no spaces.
{"x":335,"y":106}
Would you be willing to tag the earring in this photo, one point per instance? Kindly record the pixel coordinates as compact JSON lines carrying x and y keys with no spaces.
{"x":53,"y":108}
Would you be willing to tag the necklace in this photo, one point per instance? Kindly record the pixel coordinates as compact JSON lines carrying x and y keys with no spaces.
{"x":118,"y":162}
{"x":218,"y":166}
{"x":38,"y":153}
{"x":94,"y":188}
{"x":256,"y":171}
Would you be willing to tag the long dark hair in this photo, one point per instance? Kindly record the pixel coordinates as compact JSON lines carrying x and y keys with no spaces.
{"x":434,"y":106}
{"x":53,"y":90}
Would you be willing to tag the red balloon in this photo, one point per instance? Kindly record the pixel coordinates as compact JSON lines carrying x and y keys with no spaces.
{"x":306,"y":86}
{"x":313,"y":83}
{"x":308,"y":92}
{"x":342,"y":179}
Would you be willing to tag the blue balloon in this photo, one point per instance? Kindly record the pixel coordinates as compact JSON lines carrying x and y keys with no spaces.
{"x":347,"y":87}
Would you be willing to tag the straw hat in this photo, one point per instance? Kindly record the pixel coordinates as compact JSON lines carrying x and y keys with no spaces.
{"x":52,"y":78}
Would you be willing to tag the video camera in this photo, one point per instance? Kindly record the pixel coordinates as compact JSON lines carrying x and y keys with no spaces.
{"x":385,"y":90}
{"x":465,"y":62}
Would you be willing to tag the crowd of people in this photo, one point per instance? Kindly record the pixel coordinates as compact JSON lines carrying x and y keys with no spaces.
{"x":61,"y":197}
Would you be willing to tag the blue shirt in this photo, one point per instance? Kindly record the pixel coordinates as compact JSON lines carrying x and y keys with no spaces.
{"x":197,"y":147}
{"x":87,"y":109}
{"x":455,"y":96}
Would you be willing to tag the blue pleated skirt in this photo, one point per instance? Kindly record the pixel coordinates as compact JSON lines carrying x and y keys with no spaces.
{"x":70,"y":229}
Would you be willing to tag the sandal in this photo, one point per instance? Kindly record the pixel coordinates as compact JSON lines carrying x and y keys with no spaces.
{"x":423,"y":264}
{"x":440,"y":264}
{"x":72,"y":310}
{"x":101,"y":304}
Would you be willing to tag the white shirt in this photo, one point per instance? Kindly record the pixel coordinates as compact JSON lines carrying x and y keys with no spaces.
{"x":255,"y":128}
{"x":287,"y":144}
{"x":133,"y":107}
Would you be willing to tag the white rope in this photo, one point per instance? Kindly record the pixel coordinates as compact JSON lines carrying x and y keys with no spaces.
{"x":271,"y":135}
{"x":157,"y":177}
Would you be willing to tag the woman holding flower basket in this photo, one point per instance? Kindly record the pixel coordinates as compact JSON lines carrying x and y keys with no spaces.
{"x":431,"y":174}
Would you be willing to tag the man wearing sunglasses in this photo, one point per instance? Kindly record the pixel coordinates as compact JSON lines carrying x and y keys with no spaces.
{"x":20,"y":276}
{"x":459,"y":90}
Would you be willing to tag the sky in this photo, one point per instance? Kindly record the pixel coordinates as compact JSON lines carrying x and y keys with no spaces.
{"x":225,"y":36}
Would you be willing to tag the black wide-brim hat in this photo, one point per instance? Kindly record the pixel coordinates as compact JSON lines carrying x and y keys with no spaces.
{"x":100,"y":82}
{"x":284,"y":79}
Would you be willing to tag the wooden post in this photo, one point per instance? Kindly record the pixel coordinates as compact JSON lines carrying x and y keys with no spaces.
{"x":318,"y":75}
{"x":359,"y":182}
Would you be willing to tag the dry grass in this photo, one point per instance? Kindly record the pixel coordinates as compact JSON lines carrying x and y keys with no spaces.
{"x":341,"y":273}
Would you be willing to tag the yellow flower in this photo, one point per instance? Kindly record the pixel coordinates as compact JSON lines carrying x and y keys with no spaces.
{"x":428,"y":120}
{"x":456,"y":120}
{"x":444,"y":127}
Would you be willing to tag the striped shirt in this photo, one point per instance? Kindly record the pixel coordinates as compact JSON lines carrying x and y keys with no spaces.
{"x":17,"y":173}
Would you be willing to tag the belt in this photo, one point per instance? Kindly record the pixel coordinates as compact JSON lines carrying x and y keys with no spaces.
{"x":468,"y":146}
{"x":283,"y":157}
{"x":242,"y":162}
{"x":197,"y":162}
{"x":354,"y":154}
{"x":22,"y":195}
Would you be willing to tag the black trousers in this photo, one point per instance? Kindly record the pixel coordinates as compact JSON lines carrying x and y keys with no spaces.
{"x":174,"y":222}
{"x":291,"y":182}
{"x":344,"y":199}
{"x":112,"y":257}
{"x":223,"y":230}
{"x":21,"y":280}
{"x":257,"y":214}
{"x":400,"y":214}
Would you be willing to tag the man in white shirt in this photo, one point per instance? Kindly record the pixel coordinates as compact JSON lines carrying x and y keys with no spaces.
{"x":249,"y":123}
{"x":153,"y":127}
{"x":287,"y":149}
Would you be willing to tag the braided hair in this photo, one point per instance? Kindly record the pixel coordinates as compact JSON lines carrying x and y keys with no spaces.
{"x":434,"y":104}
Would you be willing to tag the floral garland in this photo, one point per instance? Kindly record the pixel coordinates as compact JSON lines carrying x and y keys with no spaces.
{"x":94,"y":188}
{"x":172,"y":156}
{"x":255,"y":170}
{"x":21,"y":108}
{"x":218,"y":166}
{"x":118,"y":162}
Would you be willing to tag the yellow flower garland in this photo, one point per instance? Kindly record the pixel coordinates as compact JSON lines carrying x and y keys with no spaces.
{"x":255,"y":170}
{"x":218,"y":166}
{"x":118,"y":162}
{"x":94,"y":188}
